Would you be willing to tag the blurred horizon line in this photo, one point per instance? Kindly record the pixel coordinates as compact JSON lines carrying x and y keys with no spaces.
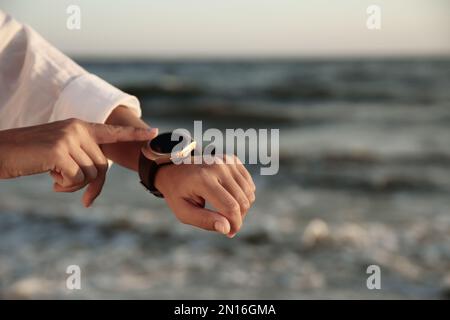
{"x":257,"y":58}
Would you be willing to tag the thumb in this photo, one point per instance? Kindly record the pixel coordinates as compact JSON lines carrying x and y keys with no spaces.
{"x":202,"y":218}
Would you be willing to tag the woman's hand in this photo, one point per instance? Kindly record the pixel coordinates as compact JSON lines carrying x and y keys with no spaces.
{"x":68,"y":149}
{"x":225,"y":185}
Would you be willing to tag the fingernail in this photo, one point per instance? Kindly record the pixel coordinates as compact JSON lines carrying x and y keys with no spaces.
{"x":219,"y":226}
{"x":231,"y":235}
{"x":153,"y":130}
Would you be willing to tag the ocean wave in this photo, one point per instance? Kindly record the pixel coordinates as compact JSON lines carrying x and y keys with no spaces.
{"x":414,"y":82}
{"x":435,"y":159}
{"x":304,"y":91}
{"x":161,"y":90}
{"x":368,"y":171}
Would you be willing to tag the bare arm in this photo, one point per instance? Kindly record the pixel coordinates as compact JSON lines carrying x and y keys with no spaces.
{"x":125,"y":154}
{"x":227,"y":187}
{"x":70,"y":151}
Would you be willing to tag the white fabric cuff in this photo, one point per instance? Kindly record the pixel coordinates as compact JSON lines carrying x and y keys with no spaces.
{"x":91,"y":99}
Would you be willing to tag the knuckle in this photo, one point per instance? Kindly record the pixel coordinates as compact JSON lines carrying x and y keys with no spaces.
{"x":70,"y":121}
{"x":78,"y":126}
{"x":73,"y":122}
{"x":91,"y":174}
{"x":232,"y":206}
{"x":103,"y":168}
{"x":232,"y":159}
{"x":58,"y":149}
{"x":220,"y":169}
{"x":72,"y":126}
{"x":229,"y":159}
{"x":112,"y":129}
{"x":244,"y":203}
{"x":101,"y":162}
{"x":218,"y":160}
{"x":68,"y":140}
{"x":205,"y":174}
{"x":78,"y":175}
{"x":250,"y":194}
{"x":136,"y":131}
{"x":226,"y":158}
{"x":113,"y":132}
{"x":245,"y":188}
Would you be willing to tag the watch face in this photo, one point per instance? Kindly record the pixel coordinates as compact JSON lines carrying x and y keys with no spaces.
{"x":169,"y":142}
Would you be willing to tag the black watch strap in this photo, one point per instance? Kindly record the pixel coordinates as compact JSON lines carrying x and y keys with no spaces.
{"x":147,"y":173}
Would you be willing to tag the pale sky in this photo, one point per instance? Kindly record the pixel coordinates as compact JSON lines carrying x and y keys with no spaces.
{"x":224,"y":28}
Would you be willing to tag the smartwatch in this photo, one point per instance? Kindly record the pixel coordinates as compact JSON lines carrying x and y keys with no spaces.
{"x":166,"y":148}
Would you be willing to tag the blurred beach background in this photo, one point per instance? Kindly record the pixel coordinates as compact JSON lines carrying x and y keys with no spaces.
{"x":364,"y":176}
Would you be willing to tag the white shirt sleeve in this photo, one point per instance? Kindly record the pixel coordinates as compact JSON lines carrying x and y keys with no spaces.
{"x":39,"y":84}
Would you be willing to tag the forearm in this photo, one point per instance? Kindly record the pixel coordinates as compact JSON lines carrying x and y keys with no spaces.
{"x":125,"y":154}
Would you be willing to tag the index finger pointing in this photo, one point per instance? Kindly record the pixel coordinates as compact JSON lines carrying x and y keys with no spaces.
{"x":105,"y":133}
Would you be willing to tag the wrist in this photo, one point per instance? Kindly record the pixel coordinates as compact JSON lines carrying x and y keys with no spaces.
{"x":161,"y":177}
{"x":125,"y":154}
{"x":5,"y":150}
